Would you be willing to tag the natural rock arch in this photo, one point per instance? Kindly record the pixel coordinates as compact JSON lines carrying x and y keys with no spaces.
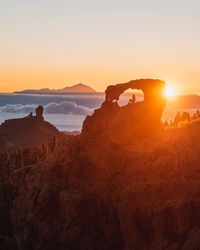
{"x":125,"y":125}
{"x":150,"y":88}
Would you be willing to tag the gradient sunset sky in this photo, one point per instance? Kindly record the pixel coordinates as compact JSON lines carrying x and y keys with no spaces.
{"x":58,"y":43}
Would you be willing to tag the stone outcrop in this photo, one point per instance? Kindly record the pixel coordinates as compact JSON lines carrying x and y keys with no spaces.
{"x":125,"y":126}
{"x":123,"y":184}
{"x":26,"y":132}
{"x":39,"y":112}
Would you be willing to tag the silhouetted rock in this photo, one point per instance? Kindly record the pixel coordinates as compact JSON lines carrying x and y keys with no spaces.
{"x":30,"y":115}
{"x":128,"y":124}
{"x":26,"y":132}
{"x":39,"y":112}
{"x":124,"y":183}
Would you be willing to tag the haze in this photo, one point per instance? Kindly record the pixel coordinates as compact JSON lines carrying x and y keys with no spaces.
{"x":58,"y":43}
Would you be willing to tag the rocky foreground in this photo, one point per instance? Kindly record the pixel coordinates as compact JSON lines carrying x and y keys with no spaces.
{"x":123,"y":184}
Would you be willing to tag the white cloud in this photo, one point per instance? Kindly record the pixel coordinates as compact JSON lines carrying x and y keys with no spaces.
{"x":51,"y":108}
{"x":66,"y":108}
{"x":18,"y":108}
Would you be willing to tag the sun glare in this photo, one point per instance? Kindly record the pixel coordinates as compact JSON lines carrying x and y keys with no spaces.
{"x":170,"y":92}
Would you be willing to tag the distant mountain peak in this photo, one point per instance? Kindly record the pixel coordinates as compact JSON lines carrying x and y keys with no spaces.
{"x":76,"y":88}
{"x":79,"y":84}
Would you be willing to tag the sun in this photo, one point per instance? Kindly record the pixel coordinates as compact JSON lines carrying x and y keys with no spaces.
{"x":170,"y":92}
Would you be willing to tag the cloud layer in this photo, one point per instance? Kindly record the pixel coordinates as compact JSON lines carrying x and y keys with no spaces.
{"x":51,"y":108}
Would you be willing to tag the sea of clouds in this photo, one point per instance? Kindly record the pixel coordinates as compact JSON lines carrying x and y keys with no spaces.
{"x":64,"y":107}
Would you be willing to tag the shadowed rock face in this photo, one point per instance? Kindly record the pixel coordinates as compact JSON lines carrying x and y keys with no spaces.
{"x":39,"y":112}
{"x":123,"y":184}
{"x":126,"y":125}
{"x":26,"y":132}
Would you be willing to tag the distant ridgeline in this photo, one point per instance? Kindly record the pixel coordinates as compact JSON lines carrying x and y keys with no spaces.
{"x":124,"y":183}
{"x":77,"y":88}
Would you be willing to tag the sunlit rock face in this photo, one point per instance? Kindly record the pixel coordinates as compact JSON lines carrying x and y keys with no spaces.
{"x":123,"y":184}
{"x":126,"y":126}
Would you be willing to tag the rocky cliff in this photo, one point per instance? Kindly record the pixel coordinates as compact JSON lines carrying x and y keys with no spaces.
{"x":124,"y":183}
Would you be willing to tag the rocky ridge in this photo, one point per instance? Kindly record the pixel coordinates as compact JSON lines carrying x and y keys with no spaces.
{"x":124,"y":183}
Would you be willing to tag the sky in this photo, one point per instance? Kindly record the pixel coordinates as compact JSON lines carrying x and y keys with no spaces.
{"x":58,"y":43}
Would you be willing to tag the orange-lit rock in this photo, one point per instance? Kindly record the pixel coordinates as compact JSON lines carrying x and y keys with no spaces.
{"x":123,"y":184}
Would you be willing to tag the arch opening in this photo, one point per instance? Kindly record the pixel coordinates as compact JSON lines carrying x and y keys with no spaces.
{"x":131,"y":96}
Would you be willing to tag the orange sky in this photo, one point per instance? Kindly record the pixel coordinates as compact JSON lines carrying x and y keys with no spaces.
{"x":184,"y":80}
{"x":54,"y":44}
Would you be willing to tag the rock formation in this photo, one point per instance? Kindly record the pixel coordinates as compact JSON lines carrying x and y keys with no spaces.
{"x":26,"y":132}
{"x":39,"y":112}
{"x":125,"y":126}
{"x":123,"y":184}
